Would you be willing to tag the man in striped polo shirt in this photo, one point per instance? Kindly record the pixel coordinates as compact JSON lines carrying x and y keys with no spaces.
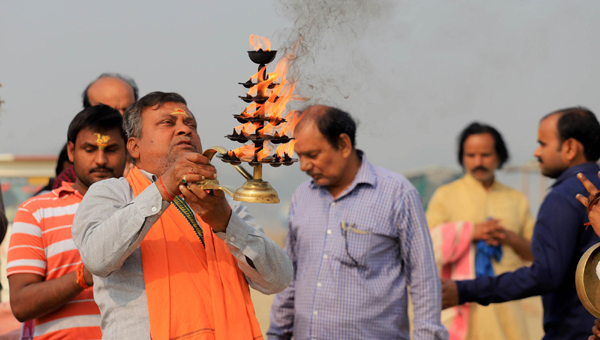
{"x":48,"y":281}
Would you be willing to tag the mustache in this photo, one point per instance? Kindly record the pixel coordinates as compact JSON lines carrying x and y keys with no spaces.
{"x":186,"y":139}
{"x":539,"y":159}
{"x":480,"y":168}
{"x":101,"y":168}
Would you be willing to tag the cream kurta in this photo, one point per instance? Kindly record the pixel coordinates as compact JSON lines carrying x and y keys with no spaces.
{"x":467,"y":200}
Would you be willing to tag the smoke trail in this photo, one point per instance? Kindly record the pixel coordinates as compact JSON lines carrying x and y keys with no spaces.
{"x":329,"y":63}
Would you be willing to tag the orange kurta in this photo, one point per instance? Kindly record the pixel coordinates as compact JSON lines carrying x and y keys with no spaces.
{"x":194,"y":291}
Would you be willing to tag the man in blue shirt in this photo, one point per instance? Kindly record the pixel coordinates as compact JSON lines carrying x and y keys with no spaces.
{"x":569,"y":143}
{"x":357,"y":239}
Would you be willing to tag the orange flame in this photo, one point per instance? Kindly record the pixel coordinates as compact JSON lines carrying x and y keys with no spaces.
{"x":283,"y":90}
{"x":261,"y":88}
{"x":247,"y":128}
{"x":245,"y":151}
{"x":268,"y":130}
{"x":274,"y":108}
{"x":286,"y":148}
{"x":265,"y":152}
{"x":293,"y":118}
{"x":281,"y":94}
{"x":260,"y":42}
{"x":253,"y":110}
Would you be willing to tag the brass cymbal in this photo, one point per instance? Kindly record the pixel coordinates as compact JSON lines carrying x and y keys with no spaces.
{"x":587,"y":281}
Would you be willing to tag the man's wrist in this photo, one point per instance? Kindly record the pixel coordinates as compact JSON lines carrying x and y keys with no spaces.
{"x":163,"y":190}
{"x":509,"y":238}
{"x":222,"y":227}
{"x":462,"y":292}
{"x":80,"y":279}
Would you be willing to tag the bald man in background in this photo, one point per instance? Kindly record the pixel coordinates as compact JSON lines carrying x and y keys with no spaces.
{"x":111,"y":89}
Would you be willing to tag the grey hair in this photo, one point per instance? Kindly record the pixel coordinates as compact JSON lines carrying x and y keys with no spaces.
{"x":132,"y":118}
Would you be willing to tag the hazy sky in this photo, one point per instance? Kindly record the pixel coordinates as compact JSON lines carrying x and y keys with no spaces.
{"x":413,"y":73}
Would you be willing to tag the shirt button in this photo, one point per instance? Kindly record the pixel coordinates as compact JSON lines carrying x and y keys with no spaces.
{"x":325,"y":256}
{"x":319,"y":284}
{"x":315,"y":312}
{"x":332,"y":204}
{"x":232,"y":239}
{"x":154,"y":209}
{"x":328,"y":231}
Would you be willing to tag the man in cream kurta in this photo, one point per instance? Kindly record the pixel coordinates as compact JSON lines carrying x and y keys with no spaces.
{"x":494,"y":209}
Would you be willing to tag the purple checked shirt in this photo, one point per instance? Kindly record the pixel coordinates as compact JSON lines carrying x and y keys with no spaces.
{"x":354,"y":257}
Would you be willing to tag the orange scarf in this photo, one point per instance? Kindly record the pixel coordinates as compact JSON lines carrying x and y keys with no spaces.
{"x":193,"y":292}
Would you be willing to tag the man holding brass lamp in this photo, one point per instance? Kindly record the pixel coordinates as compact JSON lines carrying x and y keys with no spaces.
{"x":169,"y":259}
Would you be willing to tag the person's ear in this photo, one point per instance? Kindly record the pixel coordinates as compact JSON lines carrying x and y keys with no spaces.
{"x":133,"y":147}
{"x":345,"y":145}
{"x":71,"y":151}
{"x":572,"y":148}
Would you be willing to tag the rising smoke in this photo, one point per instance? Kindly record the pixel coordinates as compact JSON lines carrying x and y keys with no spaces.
{"x":329,"y":64}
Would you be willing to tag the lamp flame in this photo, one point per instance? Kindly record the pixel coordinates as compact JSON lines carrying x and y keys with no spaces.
{"x":259,"y":42}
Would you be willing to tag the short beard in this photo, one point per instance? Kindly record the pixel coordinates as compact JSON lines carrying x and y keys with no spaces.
{"x":168,"y":161}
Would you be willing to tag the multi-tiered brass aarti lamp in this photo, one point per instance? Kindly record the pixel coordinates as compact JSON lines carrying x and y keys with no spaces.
{"x":262,"y":127}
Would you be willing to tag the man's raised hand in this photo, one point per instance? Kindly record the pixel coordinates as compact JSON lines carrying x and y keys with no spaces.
{"x":210,"y":205}
{"x":591,"y":202}
{"x":190,"y":167}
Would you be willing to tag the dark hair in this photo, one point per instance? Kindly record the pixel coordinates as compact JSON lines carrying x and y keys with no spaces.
{"x":476,"y":128}
{"x":100,"y":117}
{"x":63,"y":157}
{"x":128,"y":80}
{"x":132,"y":118}
{"x":582,"y":125}
{"x":333,"y":122}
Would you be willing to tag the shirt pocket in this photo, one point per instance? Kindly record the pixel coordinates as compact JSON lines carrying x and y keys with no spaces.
{"x":355,"y":246}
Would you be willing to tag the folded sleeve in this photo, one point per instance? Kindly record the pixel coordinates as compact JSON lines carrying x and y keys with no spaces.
{"x":265,"y":265}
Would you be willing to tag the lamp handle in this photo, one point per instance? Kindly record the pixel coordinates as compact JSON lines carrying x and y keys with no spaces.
{"x":210,"y":153}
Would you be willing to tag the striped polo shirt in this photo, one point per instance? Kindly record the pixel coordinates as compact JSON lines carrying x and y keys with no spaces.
{"x":41,"y":243}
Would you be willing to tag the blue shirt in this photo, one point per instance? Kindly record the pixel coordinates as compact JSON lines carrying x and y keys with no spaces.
{"x":359,"y":292}
{"x":559,"y":239}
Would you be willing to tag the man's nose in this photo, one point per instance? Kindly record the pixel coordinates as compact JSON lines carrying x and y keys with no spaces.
{"x":100,"y":158}
{"x":305,"y":165}
{"x":537,"y":152}
{"x":183,"y":129}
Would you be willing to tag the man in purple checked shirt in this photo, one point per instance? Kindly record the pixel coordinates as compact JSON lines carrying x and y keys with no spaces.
{"x":357,"y":239}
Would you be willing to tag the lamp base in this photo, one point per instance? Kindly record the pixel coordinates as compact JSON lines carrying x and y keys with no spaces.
{"x":256,"y":191}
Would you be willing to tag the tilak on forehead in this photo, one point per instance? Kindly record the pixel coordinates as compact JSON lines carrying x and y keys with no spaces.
{"x":179,"y":111}
{"x":101,"y":140}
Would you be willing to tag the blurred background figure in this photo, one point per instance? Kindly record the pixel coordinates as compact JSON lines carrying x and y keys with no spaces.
{"x":4,"y":311}
{"x":494,"y":226}
{"x":3,"y":222}
{"x":111,"y":89}
{"x":569,"y":143}
{"x":48,"y":281}
{"x":62,"y":164}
